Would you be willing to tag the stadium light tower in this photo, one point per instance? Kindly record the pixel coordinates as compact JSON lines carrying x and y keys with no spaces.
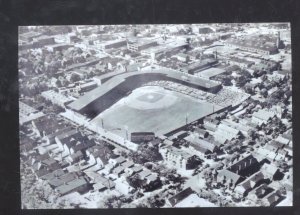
{"x":126,"y":130}
{"x":102,"y":124}
{"x":186,"y":118}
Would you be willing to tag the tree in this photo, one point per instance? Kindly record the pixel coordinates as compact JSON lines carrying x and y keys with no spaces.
{"x":110,"y":201}
{"x":264,"y":92}
{"x":74,"y":78}
{"x":249,"y":88}
{"x":58,"y":83}
{"x":252,"y":134}
{"x":225,"y":79}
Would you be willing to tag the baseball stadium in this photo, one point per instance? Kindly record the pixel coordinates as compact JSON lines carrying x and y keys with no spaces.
{"x":148,"y":101}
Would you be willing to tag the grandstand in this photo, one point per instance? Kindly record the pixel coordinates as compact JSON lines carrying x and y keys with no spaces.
{"x":114,"y":89}
{"x":226,"y":97}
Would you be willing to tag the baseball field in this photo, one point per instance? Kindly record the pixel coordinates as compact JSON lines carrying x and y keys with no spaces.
{"x":152,"y":109}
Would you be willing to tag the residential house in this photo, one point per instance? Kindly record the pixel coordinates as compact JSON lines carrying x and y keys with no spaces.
{"x":77,"y":185}
{"x":50,"y":139}
{"x":274,"y":146}
{"x":55,"y":174}
{"x":127,"y":164}
{"x":282,"y":154}
{"x":74,"y":158}
{"x":135,"y":169}
{"x":42,"y":172}
{"x":143,"y":174}
{"x":259,"y":192}
{"x":97,"y":178}
{"x":273,"y":198}
{"x":225,"y":132}
{"x":210,"y":124}
{"x":262,"y":117}
{"x":250,"y":183}
{"x":51,"y":164}
{"x":117,"y":161}
{"x":27,"y":147}
{"x":46,"y":125}
{"x":228,"y":178}
{"x":270,"y":171}
{"x":118,"y":170}
{"x":201,"y":144}
{"x":152,"y":182}
{"x":99,"y":155}
{"x":70,"y":139}
{"x":82,"y":146}
{"x":285,"y":138}
{"x":99,"y":186}
{"x":201,"y":132}
{"x":62,"y":179}
{"x":245,"y":167}
{"x":239,"y":126}
{"x":180,"y":197}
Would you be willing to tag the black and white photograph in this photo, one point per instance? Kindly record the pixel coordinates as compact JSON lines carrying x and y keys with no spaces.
{"x":155,"y":115}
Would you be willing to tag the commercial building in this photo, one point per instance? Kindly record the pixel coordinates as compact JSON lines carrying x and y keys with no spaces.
{"x":56,"y":98}
{"x":200,"y":65}
{"x":139,"y":137}
{"x":211,"y":72}
{"x":165,"y":49}
{"x":29,"y":36}
{"x":43,"y":41}
{"x":140,"y":45}
{"x":58,"y":47}
{"x":27,"y":113}
{"x":242,"y":63}
{"x":262,"y":45}
{"x":87,"y":86}
{"x":177,"y":158}
{"x":111,"y":44}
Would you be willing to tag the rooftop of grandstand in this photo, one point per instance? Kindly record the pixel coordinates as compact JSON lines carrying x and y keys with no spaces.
{"x":211,"y":72}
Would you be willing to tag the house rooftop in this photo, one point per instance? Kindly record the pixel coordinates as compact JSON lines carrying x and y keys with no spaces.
{"x":42,"y":172}
{"x":127,"y":164}
{"x":180,"y":196}
{"x":137,"y":168}
{"x":71,"y":186}
{"x":118,"y":169}
{"x":57,"y":181}
{"x":151,"y":177}
{"x":120,"y":159}
{"x":144,"y":174}
{"x":229,"y":175}
{"x":54,"y":174}
{"x":201,"y":142}
{"x":269,"y":169}
{"x":263,"y":115}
